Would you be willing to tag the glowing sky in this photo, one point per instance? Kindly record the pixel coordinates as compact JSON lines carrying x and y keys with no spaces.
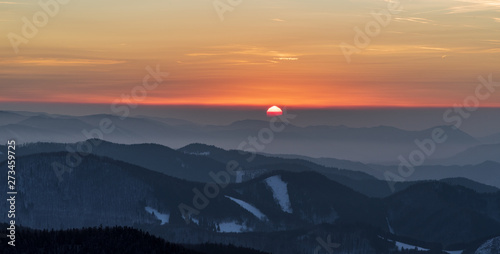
{"x":264,"y":52}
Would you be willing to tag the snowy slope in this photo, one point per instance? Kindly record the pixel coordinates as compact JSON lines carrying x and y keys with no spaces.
{"x":252,"y":209}
{"x":405,"y":246}
{"x":163,"y":217}
{"x":491,"y":246}
{"x":280,"y":192}
{"x":231,"y":227}
{"x":391,"y":230}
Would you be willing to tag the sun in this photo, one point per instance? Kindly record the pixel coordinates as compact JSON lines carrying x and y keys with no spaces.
{"x":274,"y":111}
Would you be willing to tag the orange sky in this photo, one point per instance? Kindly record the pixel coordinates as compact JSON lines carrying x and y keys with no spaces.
{"x":262,"y":53}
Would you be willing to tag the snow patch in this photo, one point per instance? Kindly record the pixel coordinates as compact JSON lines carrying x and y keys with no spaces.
{"x":239,"y":176}
{"x":163,"y":217}
{"x":196,"y":221}
{"x":391,"y":230}
{"x":252,"y":209}
{"x":280,"y":192}
{"x":231,"y":227}
{"x":200,"y":153}
{"x":402,"y":246}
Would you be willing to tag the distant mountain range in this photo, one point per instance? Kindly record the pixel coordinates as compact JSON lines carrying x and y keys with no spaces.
{"x":382,"y":144}
{"x":477,"y":168}
{"x":195,"y":162}
{"x":487,"y":172}
{"x":474,"y":155}
{"x":490,"y":139}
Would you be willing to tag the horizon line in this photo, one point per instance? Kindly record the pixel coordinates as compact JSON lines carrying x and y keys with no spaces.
{"x":213,"y":105}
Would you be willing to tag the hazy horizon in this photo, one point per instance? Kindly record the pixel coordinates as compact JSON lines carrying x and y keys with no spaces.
{"x":482,"y":122}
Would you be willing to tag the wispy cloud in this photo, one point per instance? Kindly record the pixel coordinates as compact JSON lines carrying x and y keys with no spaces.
{"x":286,"y":58}
{"x":2,"y":2}
{"x":414,"y":19}
{"x":201,"y":54}
{"x":475,"y":5}
{"x":60,"y":62}
{"x":434,"y":48}
{"x":495,"y":42}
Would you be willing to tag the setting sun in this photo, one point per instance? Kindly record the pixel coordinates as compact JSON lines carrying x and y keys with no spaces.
{"x":274,"y":111}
